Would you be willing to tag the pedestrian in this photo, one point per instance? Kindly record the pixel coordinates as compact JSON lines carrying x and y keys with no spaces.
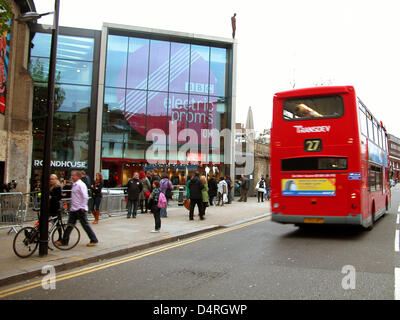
{"x":86,"y":179}
{"x":166,"y":188}
{"x":244,"y":187}
{"x":55,"y":198}
{"x":267,"y":188}
{"x":196,"y":195}
{"x":154,"y":205}
{"x":134,"y":188}
{"x":205,"y":194}
{"x":222,"y":191}
{"x":144,"y":195}
{"x":212,"y":189}
{"x":229,"y":188}
{"x":260,"y":189}
{"x":78,"y":210}
{"x":96,"y":189}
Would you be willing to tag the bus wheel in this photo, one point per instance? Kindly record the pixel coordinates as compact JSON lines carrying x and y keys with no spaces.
{"x":371,"y":226}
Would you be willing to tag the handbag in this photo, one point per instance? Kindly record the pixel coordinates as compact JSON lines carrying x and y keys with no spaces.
{"x":147,"y":194}
{"x":186,"y":203}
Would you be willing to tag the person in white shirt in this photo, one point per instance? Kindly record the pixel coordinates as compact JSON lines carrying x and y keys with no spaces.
{"x":222,"y":190}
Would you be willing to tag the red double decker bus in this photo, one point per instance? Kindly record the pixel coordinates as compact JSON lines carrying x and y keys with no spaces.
{"x":329,"y":159}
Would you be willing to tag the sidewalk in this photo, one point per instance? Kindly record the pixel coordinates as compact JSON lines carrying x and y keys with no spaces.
{"x":119,"y":235}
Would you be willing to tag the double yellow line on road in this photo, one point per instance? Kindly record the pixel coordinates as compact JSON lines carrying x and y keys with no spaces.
{"x":97,"y":267}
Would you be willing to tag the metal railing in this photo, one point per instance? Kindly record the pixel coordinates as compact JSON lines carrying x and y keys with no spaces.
{"x":12,"y":210}
{"x":17,"y":208}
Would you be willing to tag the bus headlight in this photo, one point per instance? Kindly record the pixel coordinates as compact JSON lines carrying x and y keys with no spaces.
{"x":276,"y":205}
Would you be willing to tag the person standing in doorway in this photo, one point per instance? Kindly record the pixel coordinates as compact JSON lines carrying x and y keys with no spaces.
{"x":78,"y":210}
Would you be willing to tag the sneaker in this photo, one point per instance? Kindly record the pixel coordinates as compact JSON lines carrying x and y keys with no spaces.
{"x":91,"y":244}
{"x":154,"y":231}
{"x":59,"y":243}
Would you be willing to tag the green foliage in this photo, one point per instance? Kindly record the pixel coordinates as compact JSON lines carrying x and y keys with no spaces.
{"x":5,"y":16}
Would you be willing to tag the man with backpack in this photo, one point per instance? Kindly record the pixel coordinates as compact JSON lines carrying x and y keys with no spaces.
{"x":261,"y":189}
{"x":166,"y":188}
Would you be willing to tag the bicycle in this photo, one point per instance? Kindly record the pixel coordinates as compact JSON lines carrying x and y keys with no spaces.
{"x":26,"y":240}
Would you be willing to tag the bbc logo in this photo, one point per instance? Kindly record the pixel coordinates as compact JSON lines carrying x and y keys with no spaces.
{"x":199,"y":87}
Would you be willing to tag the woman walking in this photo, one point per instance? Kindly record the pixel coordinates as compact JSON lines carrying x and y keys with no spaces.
{"x":97,"y":196}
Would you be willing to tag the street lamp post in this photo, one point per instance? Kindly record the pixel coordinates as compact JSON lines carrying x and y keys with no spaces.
{"x":48,"y":139}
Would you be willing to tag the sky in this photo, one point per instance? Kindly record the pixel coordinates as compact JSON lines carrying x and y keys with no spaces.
{"x":281,"y":44}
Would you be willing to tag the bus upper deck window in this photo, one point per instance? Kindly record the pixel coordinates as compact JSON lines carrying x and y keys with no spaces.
{"x":313,"y":108}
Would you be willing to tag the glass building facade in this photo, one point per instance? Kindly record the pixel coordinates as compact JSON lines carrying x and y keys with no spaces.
{"x":164,"y":97}
{"x":75,"y":98}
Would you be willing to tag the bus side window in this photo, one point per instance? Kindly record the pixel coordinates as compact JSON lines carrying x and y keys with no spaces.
{"x":370,"y":130}
{"x":363,"y":123}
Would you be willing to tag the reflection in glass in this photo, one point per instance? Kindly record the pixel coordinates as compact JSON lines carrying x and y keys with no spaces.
{"x":117,"y":51}
{"x":68,"y":47}
{"x":73,"y":125}
{"x":159,"y":65}
{"x":157,"y":111}
{"x":138,"y":59}
{"x":199,"y":69}
{"x":179,"y":69}
{"x":219,"y":71}
{"x":67,"y":71}
{"x":74,"y":98}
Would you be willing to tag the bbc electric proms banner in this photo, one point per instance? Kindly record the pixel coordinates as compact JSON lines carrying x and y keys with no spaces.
{"x":168,"y":73}
{"x":4,"y":54}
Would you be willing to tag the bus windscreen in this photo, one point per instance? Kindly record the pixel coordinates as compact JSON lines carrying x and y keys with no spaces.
{"x":313,"y":107}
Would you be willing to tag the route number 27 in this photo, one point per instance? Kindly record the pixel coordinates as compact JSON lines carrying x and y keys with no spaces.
{"x":312,"y":145}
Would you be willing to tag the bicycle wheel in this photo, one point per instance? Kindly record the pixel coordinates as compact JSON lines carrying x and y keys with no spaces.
{"x":58,"y":234}
{"x":26,"y":241}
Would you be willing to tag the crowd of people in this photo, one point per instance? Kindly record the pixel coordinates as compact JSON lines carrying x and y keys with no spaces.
{"x":147,"y":192}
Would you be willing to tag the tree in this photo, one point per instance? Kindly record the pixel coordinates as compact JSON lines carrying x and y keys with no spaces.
{"x":5,"y":16}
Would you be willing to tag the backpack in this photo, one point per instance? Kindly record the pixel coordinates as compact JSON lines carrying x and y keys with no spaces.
{"x":162,"y":201}
{"x":261,"y":185}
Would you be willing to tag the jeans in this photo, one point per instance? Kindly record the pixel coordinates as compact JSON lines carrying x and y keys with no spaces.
{"x":157,"y":219}
{"x":132,"y":207}
{"x":81,"y":216}
{"x":94,"y":203}
{"x":163,"y":212}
